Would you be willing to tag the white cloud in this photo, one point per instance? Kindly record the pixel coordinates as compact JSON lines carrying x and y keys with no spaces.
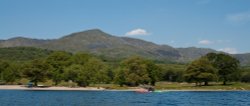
{"x":208,"y":42}
{"x":136,"y":32}
{"x":229,"y":50}
{"x":205,"y":42}
{"x":239,"y":17}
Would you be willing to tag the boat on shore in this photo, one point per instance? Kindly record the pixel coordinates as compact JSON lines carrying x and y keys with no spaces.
{"x":142,"y":90}
{"x":145,"y":89}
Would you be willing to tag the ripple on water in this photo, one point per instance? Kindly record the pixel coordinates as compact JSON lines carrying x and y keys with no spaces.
{"x":116,"y":98}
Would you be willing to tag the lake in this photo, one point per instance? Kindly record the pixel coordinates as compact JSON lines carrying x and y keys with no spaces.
{"x":123,"y":98}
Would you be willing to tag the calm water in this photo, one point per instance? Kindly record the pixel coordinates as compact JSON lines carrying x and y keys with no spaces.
{"x":116,"y":98}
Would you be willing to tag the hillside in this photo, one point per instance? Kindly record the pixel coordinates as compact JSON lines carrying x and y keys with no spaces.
{"x":22,"y":53}
{"x":103,"y":44}
{"x":243,"y":58}
{"x":21,"y":41}
{"x":190,"y":53}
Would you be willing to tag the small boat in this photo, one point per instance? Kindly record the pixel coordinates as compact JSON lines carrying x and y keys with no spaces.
{"x":145,"y":89}
{"x":142,"y":91}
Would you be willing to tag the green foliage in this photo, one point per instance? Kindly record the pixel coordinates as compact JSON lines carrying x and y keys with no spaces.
{"x":58,"y":60}
{"x":80,"y":58}
{"x":76,"y":73}
{"x":98,"y":69}
{"x":9,"y":72}
{"x":172,"y":72}
{"x":200,"y":70}
{"x":71,"y":72}
{"x":120,"y":77}
{"x":153,"y":72}
{"x":245,"y":75}
{"x":3,"y":66}
{"x":84,"y":69}
{"x":87,"y":69}
{"x":225,"y":64}
{"x":23,"y":53}
{"x":136,"y":70}
{"x":36,"y":71}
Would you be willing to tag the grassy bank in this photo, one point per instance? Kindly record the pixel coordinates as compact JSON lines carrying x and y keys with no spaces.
{"x":184,"y":86}
{"x":161,"y":86}
{"x":212,"y":86}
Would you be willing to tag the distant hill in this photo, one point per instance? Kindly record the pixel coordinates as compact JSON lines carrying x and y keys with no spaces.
{"x":243,"y":58}
{"x":21,"y":41}
{"x":191,"y":53}
{"x":100,"y":43}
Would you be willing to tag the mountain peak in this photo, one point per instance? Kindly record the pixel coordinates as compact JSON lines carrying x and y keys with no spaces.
{"x":94,"y":30}
{"x":87,"y":33}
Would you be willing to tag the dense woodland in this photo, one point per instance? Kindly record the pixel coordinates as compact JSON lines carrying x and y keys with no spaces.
{"x":20,"y":65}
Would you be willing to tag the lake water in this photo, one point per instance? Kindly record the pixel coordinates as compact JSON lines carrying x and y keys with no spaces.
{"x":123,"y":98}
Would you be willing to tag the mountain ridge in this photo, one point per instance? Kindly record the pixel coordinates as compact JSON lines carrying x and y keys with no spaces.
{"x":101,"y":43}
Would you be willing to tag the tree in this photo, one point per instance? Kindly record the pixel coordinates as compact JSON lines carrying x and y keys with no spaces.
{"x":71,"y":72}
{"x":3,"y":66}
{"x":76,"y":73}
{"x":97,"y":69}
{"x":80,"y":58}
{"x":153,"y":72}
{"x":225,"y":64}
{"x":172,"y":72}
{"x":58,"y":60}
{"x":120,"y":77}
{"x":246,"y":77}
{"x":86,"y":72}
{"x":36,"y":71}
{"x":136,"y":70}
{"x":200,"y":71}
{"x":9,"y":72}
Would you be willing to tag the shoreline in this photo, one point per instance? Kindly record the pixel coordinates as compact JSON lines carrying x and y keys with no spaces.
{"x":21,"y":87}
{"x":53,"y":88}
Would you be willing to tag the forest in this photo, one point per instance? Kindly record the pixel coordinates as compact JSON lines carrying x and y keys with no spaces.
{"x":21,"y":65}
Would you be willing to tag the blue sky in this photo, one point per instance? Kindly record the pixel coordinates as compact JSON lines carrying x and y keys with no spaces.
{"x":218,"y":24}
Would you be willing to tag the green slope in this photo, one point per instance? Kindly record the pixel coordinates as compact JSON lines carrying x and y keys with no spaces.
{"x":22,"y":53}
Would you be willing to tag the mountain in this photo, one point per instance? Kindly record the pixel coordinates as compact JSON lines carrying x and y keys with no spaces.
{"x":191,"y":53}
{"x":103,"y":44}
{"x":243,"y":58}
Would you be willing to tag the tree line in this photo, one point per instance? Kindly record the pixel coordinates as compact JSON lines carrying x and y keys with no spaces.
{"x":85,"y":69}
{"x":213,"y":67}
{"x":80,"y":68}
